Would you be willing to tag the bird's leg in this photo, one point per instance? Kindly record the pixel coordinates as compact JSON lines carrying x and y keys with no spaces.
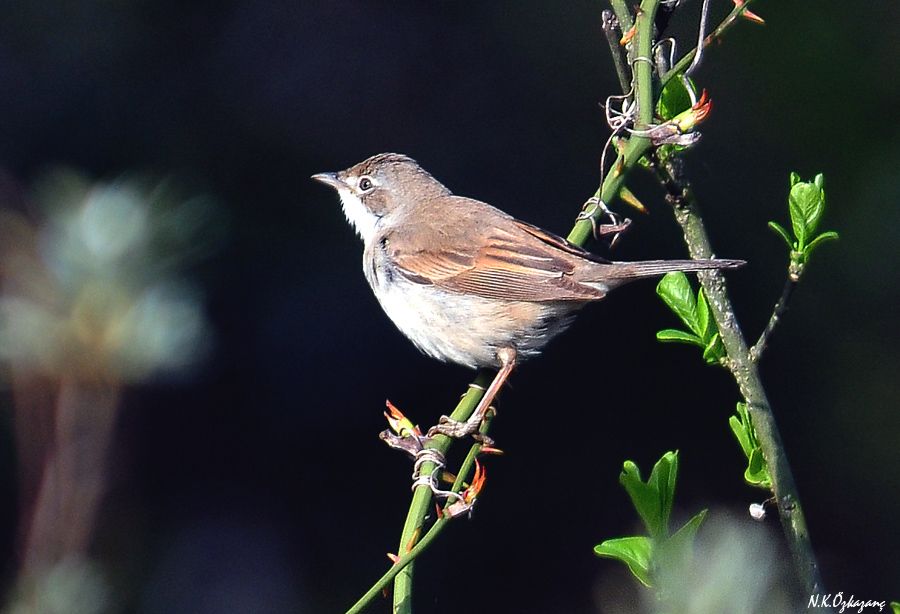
{"x":453,"y":428}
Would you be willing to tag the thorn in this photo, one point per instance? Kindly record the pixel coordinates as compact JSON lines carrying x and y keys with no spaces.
{"x":626,"y":38}
{"x":415,"y":538}
{"x":394,"y":558}
{"x":491,"y":450}
{"x":628,"y":196}
{"x":448,"y":476}
{"x":439,"y":511}
{"x":749,"y":15}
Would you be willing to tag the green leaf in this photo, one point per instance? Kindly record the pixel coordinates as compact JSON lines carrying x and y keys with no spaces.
{"x":673,"y":99}
{"x":633,"y":551}
{"x":757,"y":472}
{"x":675,"y":290}
{"x":780,"y":231}
{"x":744,"y":412}
{"x":683,"y":539}
{"x":662,"y":480}
{"x":822,"y":238}
{"x":671,"y":335}
{"x":703,"y":315}
{"x":644,"y":497}
{"x":670,"y":556}
{"x":714,"y":350}
{"x":806,"y":203}
{"x":895,"y":606}
{"x":795,"y":179}
{"x":741,"y":434}
{"x":689,"y":530}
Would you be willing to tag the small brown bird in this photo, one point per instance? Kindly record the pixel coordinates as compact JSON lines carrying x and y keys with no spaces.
{"x":464,"y":281}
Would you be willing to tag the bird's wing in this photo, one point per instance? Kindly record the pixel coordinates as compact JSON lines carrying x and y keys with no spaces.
{"x":506,"y":260}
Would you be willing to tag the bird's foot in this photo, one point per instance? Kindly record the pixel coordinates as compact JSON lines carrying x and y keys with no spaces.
{"x":459,"y":429}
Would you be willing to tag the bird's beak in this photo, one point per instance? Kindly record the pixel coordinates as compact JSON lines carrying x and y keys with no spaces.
{"x":330,"y":179}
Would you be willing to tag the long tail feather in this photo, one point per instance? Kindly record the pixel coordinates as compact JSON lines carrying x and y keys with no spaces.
{"x":625,"y":271}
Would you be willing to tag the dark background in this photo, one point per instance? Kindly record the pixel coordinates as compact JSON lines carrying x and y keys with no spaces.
{"x":256,"y":483}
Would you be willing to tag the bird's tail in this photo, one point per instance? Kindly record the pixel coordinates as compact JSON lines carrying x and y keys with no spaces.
{"x":622,"y":272}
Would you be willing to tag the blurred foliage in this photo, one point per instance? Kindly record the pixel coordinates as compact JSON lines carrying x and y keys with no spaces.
{"x":94,"y":289}
{"x":73,"y":586}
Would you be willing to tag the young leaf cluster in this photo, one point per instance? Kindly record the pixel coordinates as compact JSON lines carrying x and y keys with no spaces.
{"x":806,"y":203}
{"x":757,"y":471}
{"x":674,"y":100}
{"x":693,"y":310}
{"x":644,"y":554}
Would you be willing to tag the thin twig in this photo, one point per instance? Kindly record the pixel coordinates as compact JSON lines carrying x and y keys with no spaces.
{"x":780,"y":309}
{"x":746,"y":374}
{"x":698,"y":55}
{"x":610,"y":24}
{"x":721,"y":29}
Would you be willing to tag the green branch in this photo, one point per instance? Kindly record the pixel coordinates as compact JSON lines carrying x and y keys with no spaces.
{"x":421,"y":500}
{"x":637,"y":146}
{"x":406,"y":559}
{"x":623,"y":14}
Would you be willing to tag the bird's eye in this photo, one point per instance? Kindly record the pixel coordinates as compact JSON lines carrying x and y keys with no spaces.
{"x":365,"y":184}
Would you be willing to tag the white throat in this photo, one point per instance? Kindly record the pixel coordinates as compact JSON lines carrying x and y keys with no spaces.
{"x":359,"y":217}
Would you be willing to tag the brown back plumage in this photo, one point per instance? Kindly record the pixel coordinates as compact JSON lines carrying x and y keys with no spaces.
{"x":511,"y":260}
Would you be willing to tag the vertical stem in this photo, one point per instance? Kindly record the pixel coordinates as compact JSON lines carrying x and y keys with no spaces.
{"x":746,"y":375}
{"x":637,"y":146}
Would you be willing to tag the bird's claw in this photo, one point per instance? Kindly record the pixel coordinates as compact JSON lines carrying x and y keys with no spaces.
{"x":459,"y":429}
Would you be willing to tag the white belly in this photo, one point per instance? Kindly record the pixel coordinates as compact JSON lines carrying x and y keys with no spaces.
{"x":465,"y":329}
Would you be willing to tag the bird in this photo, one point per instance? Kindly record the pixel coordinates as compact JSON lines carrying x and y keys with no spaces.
{"x":466,"y":282}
